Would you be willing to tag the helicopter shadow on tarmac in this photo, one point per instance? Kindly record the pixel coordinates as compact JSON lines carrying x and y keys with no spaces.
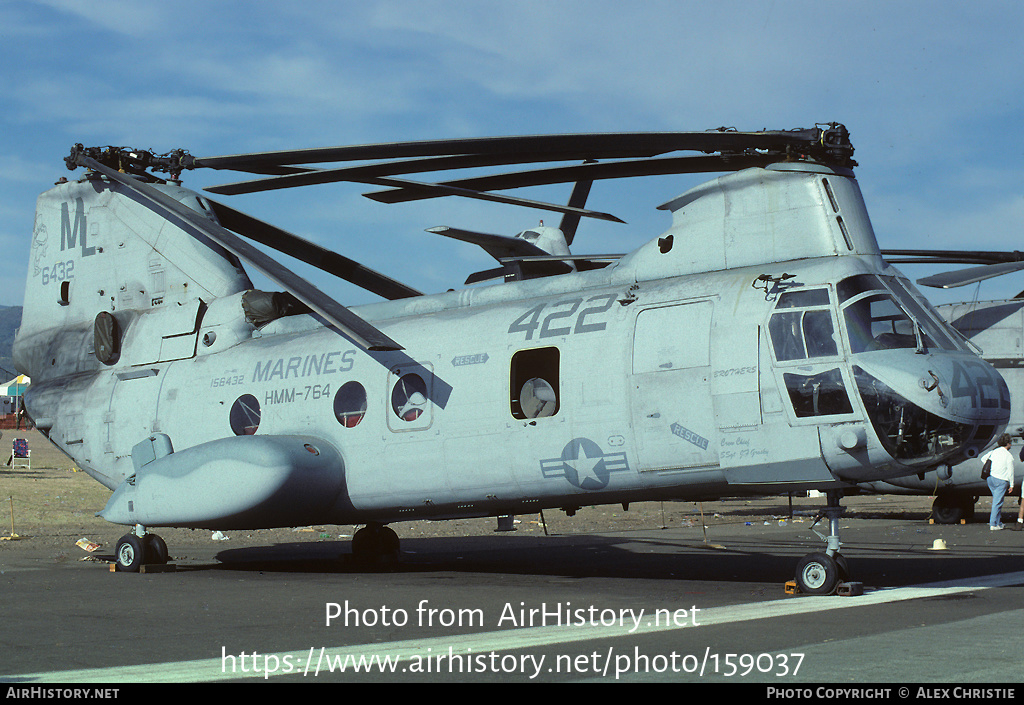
{"x":887,"y":557}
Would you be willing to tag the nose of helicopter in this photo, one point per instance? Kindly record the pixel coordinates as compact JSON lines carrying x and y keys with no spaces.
{"x":932,"y":408}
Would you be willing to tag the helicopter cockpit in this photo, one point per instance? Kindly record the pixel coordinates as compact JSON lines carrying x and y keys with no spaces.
{"x":880,"y":321}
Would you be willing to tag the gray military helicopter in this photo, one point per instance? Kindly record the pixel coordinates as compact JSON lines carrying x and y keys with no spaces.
{"x":760,"y":345}
{"x":996,"y":329}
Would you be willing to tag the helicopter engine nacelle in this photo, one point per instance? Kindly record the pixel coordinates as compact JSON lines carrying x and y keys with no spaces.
{"x":231,"y":483}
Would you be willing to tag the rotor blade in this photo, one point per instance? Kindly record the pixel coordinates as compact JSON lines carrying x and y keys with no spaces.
{"x":485,"y":275}
{"x":956,"y":256}
{"x":310,"y":253}
{"x":563,"y":258}
{"x":362,"y":333}
{"x":435,"y":190}
{"x":577,"y":199}
{"x":971,"y":275}
{"x":428,"y":190}
{"x":497,"y":246}
{"x":832,"y":141}
{"x":280,"y":170}
{"x":584,"y":172}
{"x":310,"y":177}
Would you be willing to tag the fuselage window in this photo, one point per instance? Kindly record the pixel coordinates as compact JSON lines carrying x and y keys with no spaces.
{"x":106,"y":338}
{"x":533,"y":383}
{"x":245,"y":415}
{"x":350,"y":404}
{"x":799,"y":331}
{"x":822,"y":394}
{"x":409,"y":397}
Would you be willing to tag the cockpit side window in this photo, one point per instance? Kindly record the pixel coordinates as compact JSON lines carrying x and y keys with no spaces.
{"x":803,"y":299}
{"x":802,"y":327}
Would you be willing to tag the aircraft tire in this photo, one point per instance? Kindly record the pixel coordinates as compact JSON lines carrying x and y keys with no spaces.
{"x":950,"y":510}
{"x":844,"y":567}
{"x":130,"y":553}
{"x":817,"y":574}
{"x":155,"y":552}
{"x":375,"y":545}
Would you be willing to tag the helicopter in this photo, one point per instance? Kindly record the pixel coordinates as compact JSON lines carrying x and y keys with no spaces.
{"x":759,"y":345}
{"x":995,"y":328}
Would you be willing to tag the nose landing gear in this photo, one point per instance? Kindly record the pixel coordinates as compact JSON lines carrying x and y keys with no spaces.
{"x":825,"y":573}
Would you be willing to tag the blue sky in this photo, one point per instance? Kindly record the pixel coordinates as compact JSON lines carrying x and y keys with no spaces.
{"x":930,"y":91}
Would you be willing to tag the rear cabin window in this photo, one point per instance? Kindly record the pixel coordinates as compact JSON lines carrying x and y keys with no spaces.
{"x":533,"y":383}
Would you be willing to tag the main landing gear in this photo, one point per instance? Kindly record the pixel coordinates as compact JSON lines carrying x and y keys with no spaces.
{"x":375,"y":545}
{"x":139,"y":548}
{"x":952,"y":508}
{"x":823,"y":573}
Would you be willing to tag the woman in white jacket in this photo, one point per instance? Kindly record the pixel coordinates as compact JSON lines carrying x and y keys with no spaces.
{"x":1000,"y":479}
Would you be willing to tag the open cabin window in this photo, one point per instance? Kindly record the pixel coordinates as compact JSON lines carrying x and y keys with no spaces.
{"x":533,"y":383}
{"x":409,"y":397}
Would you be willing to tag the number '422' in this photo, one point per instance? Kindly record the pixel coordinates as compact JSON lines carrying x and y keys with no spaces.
{"x":568,"y":316}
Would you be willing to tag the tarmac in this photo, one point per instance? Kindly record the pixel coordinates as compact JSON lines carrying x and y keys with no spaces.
{"x":664,"y":592}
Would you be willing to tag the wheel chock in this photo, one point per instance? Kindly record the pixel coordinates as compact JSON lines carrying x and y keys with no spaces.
{"x":851,"y":589}
{"x":150,"y":568}
{"x":158,"y":568}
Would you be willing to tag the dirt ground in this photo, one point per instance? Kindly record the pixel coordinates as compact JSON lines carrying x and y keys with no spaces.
{"x":51,"y":506}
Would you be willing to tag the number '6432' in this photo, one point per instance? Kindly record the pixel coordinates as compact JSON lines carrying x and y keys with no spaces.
{"x":59,"y":272}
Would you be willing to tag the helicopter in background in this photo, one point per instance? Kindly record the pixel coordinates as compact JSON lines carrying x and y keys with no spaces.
{"x":760,"y":345}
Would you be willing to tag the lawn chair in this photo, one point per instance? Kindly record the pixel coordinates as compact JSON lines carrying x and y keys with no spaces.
{"x":20,"y":454}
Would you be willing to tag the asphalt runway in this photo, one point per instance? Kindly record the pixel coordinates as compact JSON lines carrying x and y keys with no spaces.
{"x":645,"y":605}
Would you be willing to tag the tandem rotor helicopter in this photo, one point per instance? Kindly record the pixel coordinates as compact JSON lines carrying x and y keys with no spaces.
{"x":760,"y":345}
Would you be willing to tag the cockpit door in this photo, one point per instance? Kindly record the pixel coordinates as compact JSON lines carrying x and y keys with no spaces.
{"x":810,"y":367}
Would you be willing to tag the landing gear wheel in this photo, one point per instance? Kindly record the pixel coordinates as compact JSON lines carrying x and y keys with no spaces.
{"x":155,"y":550}
{"x":821,"y":573}
{"x":817,"y":574}
{"x":844,"y":567}
{"x":375,"y":546}
{"x":948,"y":509}
{"x":130,"y":553}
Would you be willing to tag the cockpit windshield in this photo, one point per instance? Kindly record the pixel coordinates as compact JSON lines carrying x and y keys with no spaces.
{"x":883,"y":315}
{"x":876,"y":322}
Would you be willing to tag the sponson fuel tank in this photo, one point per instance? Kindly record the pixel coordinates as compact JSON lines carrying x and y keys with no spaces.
{"x":231,"y":483}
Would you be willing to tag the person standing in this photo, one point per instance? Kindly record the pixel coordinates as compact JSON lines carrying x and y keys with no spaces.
{"x":1000,"y":479}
